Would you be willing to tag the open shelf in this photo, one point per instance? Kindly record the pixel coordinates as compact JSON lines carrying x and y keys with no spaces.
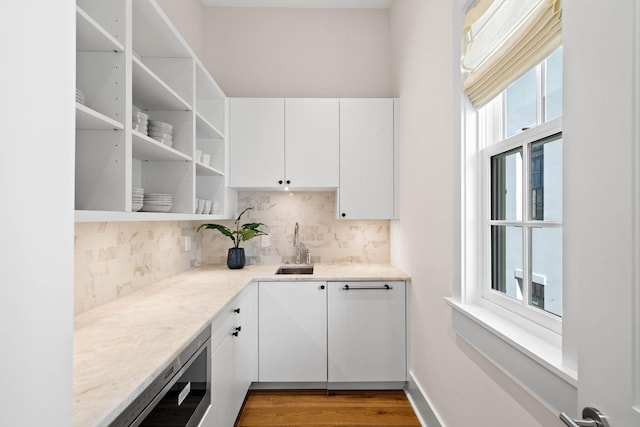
{"x":147,"y":148}
{"x":151,"y":93}
{"x":89,"y":119}
{"x":91,"y":36}
{"x":204,"y":129}
{"x":113,"y":216}
{"x":206,"y":170}
{"x":128,"y":53}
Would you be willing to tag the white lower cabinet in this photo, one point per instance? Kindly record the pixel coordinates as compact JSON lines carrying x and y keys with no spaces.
{"x":232,"y":339}
{"x":335,"y":332}
{"x":292,"y":332}
{"x":366,"y":332}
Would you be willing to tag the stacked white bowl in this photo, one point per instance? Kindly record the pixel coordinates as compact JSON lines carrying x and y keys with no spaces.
{"x":157,"y":202}
{"x":79,"y":96}
{"x":137,"y":198}
{"x":161,"y":132}
{"x":140,"y":121}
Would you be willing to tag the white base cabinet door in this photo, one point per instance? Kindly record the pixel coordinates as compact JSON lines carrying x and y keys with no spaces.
{"x":292,"y":332}
{"x":231,"y":359}
{"x":225,"y":387}
{"x":366,"y":332}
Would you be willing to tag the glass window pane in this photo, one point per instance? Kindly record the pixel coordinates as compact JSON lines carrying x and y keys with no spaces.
{"x":553,"y":85}
{"x":521,"y":103}
{"x":506,"y":186}
{"x":545,"y":180}
{"x":506,"y":260}
{"x":546,"y":269}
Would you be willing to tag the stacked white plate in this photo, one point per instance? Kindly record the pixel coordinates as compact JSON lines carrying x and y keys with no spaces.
{"x":79,"y":96}
{"x":137,"y":198}
{"x":140,"y":121}
{"x":157,"y":202}
{"x":161,"y":132}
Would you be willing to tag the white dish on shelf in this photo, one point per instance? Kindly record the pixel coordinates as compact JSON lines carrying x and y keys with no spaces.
{"x":160,"y":134}
{"x":160,"y":129}
{"x":161,"y":125}
{"x":135,"y":207}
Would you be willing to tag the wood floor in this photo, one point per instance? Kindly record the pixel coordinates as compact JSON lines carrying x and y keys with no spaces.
{"x":321,"y":408}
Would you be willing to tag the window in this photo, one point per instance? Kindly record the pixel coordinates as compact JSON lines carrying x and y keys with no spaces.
{"x":521,"y":151}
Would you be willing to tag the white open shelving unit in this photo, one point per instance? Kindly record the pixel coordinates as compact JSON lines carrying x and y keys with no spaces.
{"x":130,"y":54}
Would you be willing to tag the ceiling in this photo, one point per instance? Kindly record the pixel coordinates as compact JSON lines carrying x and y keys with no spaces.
{"x":315,"y":4}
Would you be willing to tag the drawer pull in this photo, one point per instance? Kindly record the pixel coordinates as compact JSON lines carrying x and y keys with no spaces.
{"x":385,"y":287}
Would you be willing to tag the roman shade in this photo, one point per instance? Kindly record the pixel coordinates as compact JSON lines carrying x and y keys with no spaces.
{"x":503,"y":39}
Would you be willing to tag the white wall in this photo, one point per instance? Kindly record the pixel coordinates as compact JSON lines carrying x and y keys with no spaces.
{"x":298,"y":52}
{"x":463,"y":386}
{"x":36,"y":207}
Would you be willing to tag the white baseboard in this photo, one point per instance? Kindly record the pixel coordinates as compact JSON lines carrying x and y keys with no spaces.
{"x":427,"y":416}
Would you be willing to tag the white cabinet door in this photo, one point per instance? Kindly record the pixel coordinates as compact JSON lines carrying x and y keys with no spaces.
{"x":292,"y":331}
{"x":366,"y":330}
{"x":256,"y":152}
{"x":231,"y":372}
{"x":312,"y":142}
{"x":366,"y":159}
{"x":224,"y":383}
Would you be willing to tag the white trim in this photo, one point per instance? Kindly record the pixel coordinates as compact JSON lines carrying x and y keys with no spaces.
{"x":421,"y":403}
{"x":534,"y":361}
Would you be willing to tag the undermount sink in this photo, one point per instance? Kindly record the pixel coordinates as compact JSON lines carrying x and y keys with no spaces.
{"x":295,"y":269}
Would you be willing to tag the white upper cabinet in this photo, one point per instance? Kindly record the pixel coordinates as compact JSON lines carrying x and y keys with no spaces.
{"x":312,"y":142}
{"x":366,"y":159}
{"x":284,"y":143}
{"x":256,"y":132}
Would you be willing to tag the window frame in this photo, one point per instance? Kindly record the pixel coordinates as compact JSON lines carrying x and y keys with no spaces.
{"x":523,"y":141}
{"x":491,"y":128}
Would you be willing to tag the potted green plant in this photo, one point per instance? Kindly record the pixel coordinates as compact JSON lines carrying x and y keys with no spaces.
{"x":242,"y":233}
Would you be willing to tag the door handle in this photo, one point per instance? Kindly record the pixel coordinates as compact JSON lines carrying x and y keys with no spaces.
{"x":591,"y":418}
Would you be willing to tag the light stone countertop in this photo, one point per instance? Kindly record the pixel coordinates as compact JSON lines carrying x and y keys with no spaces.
{"x":121,"y":347}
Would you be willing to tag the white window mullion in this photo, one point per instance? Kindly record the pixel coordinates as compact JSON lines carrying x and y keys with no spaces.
{"x":526,"y":234}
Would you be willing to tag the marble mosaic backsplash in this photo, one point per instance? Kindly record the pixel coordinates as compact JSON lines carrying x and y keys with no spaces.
{"x":113,"y":259}
{"x":328,"y":239}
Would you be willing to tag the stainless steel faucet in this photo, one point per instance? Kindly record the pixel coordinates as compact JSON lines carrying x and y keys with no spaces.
{"x":296,"y":243}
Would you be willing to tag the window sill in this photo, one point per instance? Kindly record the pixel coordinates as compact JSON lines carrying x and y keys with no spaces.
{"x":531,"y":357}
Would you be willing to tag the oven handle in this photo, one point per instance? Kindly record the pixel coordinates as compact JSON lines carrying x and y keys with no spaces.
{"x":140,"y":418}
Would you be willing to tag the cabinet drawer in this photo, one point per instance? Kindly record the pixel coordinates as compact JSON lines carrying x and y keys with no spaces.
{"x":222,"y":325}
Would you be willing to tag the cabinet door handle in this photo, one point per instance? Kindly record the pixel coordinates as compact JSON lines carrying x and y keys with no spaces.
{"x":343,"y":214}
{"x":236,"y":310}
{"x":385,"y":287}
{"x":288,"y":181}
{"x":321,"y":286}
{"x":235,"y":334}
{"x":238,"y":328}
{"x":280,"y":182}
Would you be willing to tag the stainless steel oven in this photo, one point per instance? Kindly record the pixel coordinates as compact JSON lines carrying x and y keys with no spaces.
{"x":180,"y":396}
